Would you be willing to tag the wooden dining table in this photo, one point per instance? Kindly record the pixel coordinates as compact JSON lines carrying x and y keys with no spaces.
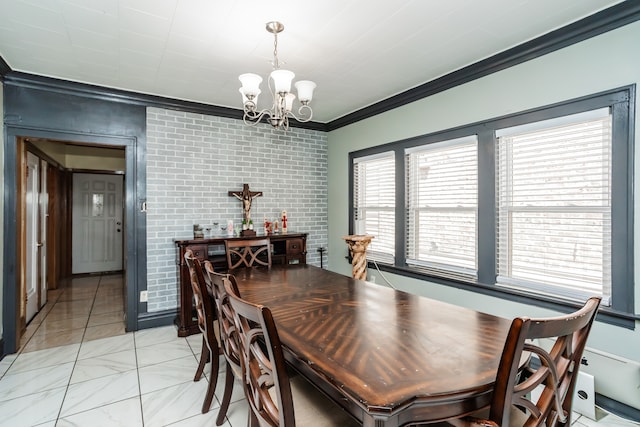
{"x":388,"y":357}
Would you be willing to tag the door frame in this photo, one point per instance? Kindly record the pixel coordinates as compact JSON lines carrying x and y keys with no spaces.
{"x":30,"y":252}
{"x":134,"y":217}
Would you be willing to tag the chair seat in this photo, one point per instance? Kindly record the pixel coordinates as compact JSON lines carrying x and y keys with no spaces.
{"x":312,"y":408}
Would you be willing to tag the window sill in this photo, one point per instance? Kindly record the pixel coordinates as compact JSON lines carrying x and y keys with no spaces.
{"x":605,"y":314}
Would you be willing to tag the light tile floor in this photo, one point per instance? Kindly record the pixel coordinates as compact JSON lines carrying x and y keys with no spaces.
{"x":78,"y":367}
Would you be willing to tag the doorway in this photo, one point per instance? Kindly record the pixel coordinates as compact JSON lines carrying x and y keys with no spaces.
{"x":57,"y":160}
{"x":90,"y":205}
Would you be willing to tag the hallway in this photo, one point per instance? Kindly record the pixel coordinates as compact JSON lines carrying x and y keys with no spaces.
{"x":81,"y":309}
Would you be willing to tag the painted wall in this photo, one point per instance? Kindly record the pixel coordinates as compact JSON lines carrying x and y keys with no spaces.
{"x":84,"y":157}
{"x":194,"y":160}
{"x":1,"y":198}
{"x":602,"y":63}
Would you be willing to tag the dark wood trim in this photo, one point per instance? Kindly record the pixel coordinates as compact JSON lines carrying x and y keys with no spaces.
{"x":591,"y":26}
{"x":97,"y":171}
{"x":2,"y":349}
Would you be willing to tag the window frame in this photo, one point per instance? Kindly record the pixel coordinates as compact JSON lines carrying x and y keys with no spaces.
{"x":621,"y":101}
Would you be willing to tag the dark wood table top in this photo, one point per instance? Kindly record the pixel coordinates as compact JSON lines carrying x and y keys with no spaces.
{"x":386,"y":356}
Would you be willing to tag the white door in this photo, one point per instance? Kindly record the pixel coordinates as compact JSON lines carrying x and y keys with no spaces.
{"x":97,"y":227}
{"x":31,"y":244}
{"x":44,"y":217}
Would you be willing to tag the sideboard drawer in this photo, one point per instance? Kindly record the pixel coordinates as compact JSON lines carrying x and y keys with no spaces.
{"x":199,"y":251}
{"x":295,"y":247}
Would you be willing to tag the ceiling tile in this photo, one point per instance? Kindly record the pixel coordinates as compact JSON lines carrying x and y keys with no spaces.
{"x":357,"y":52}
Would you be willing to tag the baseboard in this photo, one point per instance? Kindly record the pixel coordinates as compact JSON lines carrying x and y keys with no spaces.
{"x":157,"y":319}
{"x":618,"y":408}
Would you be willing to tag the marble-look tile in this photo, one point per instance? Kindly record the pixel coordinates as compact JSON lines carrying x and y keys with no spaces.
{"x":34,"y":381}
{"x":104,"y":331}
{"x":6,"y":363}
{"x":126,"y":413}
{"x":86,"y":296}
{"x":173,"y":404}
{"x":195,"y":342}
{"x":40,"y":341}
{"x":32,"y":409}
{"x":47,"y":424}
{"x":604,"y":419}
{"x":201,"y":420}
{"x":238,"y":392}
{"x":78,"y":293}
{"x":66,"y":311}
{"x":44,"y":311}
{"x":94,"y":393}
{"x":112,"y":295}
{"x":238,"y":413}
{"x":112,"y":280}
{"x":29,"y":332}
{"x":106,"y":318}
{"x":84,"y":281}
{"x":167,"y":374}
{"x":107,"y":307}
{"x":106,"y":346}
{"x":77,"y":304}
{"x":147,"y":337}
{"x":104,"y":365}
{"x":44,"y":358}
{"x":162,"y":352}
{"x":50,"y":325}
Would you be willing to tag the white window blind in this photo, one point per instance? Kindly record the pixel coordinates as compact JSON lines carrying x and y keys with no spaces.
{"x":442,"y":207}
{"x":554,"y":206}
{"x":374,"y":203}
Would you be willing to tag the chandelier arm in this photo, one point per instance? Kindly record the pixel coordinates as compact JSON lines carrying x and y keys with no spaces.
{"x":252,"y":118}
{"x":302,"y":111}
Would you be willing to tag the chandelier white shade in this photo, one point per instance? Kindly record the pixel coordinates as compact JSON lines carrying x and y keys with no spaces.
{"x":279,"y":83}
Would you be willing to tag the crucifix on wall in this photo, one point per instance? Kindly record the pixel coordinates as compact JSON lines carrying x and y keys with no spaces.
{"x":246,"y":196}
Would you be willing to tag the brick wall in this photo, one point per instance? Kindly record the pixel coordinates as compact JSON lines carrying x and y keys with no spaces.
{"x":194,"y":160}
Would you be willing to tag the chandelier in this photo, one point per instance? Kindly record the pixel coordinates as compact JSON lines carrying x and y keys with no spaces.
{"x":279,"y":83}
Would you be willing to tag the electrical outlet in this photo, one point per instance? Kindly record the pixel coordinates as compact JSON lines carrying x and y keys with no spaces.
{"x":144,"y":295}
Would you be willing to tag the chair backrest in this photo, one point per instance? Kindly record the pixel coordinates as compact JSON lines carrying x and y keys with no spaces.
{"x":266,"y":382}
{"x":248,"y":253}
{"x":556,"y":373}
{"x":226,"y":318}
{"x":203,"y":303}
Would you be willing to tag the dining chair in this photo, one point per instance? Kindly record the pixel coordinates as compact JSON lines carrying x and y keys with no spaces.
{"x":274,"y":397}
{"x":206,"y":317}
{"x":248,"y":253}
{"x":551,"y":373}
{"x":226,"y":324}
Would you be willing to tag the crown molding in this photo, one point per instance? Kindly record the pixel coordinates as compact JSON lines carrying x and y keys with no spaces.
{"x":606,"y":20}
{"x":4,"y":68}
{"x":33,"y":81}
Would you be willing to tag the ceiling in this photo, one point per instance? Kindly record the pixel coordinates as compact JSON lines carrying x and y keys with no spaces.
{"x":194,"y":50}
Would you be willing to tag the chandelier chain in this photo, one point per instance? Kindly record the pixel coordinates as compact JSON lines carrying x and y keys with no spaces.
{"x":276,"y":65}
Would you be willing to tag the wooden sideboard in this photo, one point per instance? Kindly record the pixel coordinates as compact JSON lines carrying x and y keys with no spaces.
{"x":287,"y":248}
